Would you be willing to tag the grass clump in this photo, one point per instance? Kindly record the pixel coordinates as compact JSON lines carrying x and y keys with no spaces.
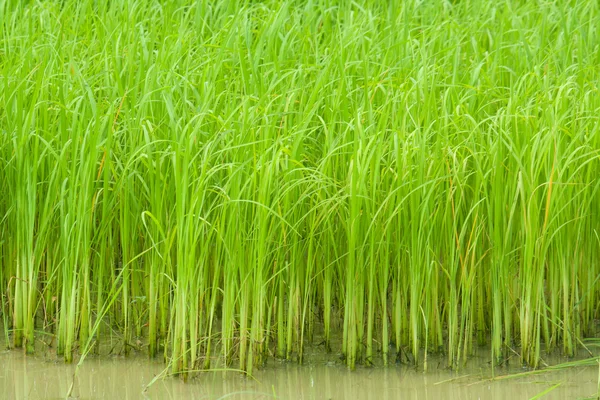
{"x":234,"y":173}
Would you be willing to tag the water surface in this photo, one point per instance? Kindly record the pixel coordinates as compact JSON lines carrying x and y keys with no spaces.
{"x":117,"y":377}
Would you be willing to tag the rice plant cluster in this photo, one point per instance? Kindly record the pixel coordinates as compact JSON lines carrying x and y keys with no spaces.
{"x":238,"y":179}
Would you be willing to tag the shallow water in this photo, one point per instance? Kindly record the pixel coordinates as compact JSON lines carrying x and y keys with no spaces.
{"x":116,"y":377}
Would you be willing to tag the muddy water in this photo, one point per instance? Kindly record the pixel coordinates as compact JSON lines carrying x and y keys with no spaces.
{"x":41,"y":377}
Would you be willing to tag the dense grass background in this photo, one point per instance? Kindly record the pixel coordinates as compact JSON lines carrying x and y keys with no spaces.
{"x":239,"y":178}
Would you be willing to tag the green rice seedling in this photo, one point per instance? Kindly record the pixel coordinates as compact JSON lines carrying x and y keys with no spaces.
{"x":237,"y":180}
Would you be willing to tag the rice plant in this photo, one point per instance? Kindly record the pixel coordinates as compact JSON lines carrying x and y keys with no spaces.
{"x":236,"y":180}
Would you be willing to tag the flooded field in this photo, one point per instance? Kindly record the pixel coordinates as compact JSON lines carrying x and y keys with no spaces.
{"x":116,"y":377}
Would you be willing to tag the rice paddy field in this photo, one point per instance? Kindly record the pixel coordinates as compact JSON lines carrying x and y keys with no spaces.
{"x":224,"y":183}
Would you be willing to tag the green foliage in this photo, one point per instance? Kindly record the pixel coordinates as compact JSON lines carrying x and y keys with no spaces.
{"x":225,"y":176}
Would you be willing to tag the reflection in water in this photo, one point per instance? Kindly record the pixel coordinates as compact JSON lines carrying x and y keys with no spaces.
{"x":33,"y":377}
